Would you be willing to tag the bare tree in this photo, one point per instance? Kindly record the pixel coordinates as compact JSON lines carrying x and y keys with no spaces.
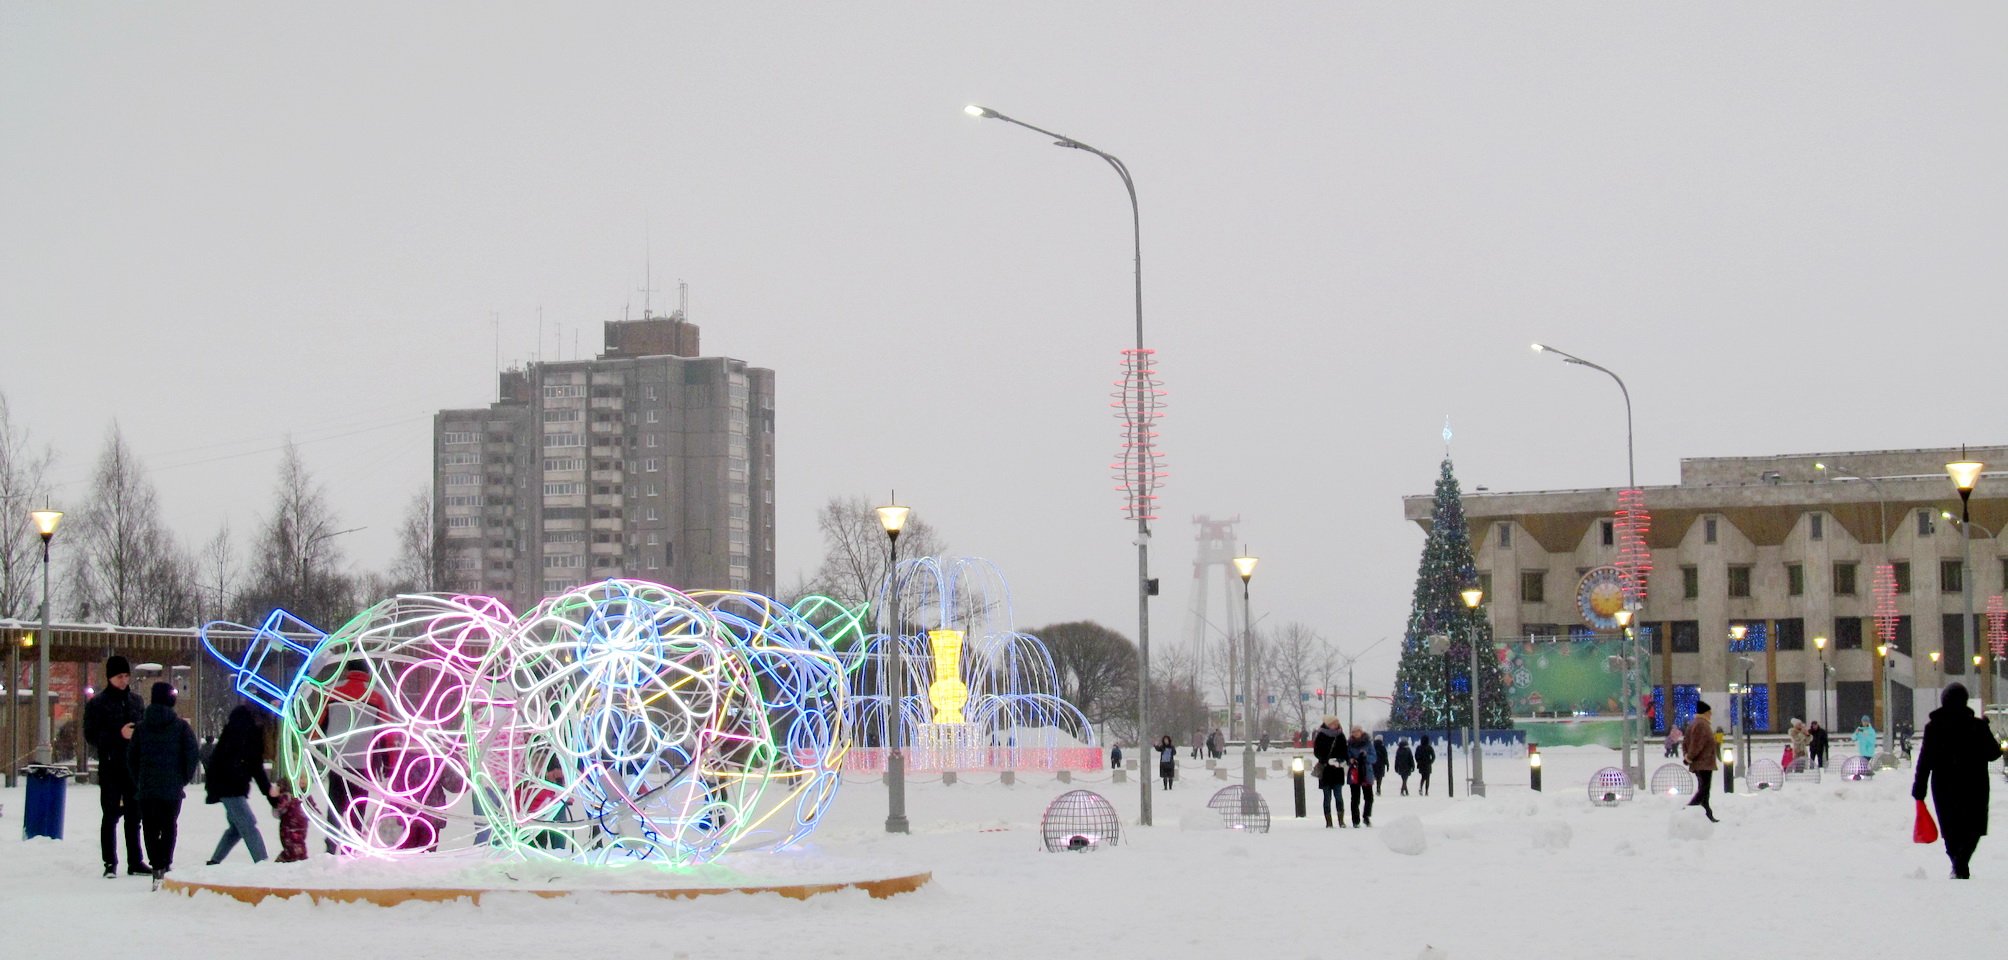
{"x":1295,"y":662}
{"x":24,"y":486}
{"x":295,"y":564}
{"x":1177,"y":704}
{"x":421,"y":537}
{"x":218,"y":576}
{"x":128,"y":569}
{"x":1097,"y":668}
{"x":854,"y":548}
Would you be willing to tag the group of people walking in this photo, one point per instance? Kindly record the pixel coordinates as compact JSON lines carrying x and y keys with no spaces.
{"x":1353,"y":766}
{"x":148,"y":755}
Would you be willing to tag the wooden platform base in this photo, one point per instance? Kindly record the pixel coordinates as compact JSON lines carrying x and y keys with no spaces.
{"x":391,"y":896}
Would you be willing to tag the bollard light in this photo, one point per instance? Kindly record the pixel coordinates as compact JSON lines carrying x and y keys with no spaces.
{"x":1728,"y":769}
{"x":1297,"y":783}
{"x":1534,"y":765}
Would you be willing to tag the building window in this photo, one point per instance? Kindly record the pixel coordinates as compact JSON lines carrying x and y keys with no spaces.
{"x":1925,"y":523}
{"x":1795,"y":579}
{"x":563,"y":391}
{"x":1739,"y":580}
{"x":1844,"y":579}
{"x":1847,"y":633}
{"x":651,"y":465}
{"x":463,"y":479}
{"x":652,"y":416}
{"x":1690,"y":583}
{"x":1901,"y":637}
{"x":1505,"y":534}
{"x":561,"y":489}
{"x":1952,"y":639}
{"x":1485,"y":583}
{"x":1708,"y":529}
{"x":559,"y":464}
{"x":1610,"y":533}
{"x":461,"y":522}
{"x":1951,"y":576}
{"x":1818,"y":529}
{"x":564,"y":416}
{"x":564,"y":440}
{"x":1685,"y":636}
{"x":1533,"y":586}
{"x":1902,"y":571}
{"x":648,"y":391}
{"x":460,"y":437}
{"x":652,"y":440}
{"x":1792,"y":634}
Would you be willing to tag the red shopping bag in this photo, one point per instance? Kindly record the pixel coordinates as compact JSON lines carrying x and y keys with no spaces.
{"x":1926,"y":830}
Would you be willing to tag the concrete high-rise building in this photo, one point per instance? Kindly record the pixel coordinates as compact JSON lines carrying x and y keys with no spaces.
{"x":1786,"y":547}
{"x":648,"y":461}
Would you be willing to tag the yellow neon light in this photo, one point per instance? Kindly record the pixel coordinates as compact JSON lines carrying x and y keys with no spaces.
{"x":948,"y":693}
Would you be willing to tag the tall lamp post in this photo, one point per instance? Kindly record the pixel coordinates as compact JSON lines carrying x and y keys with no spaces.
{"x":1820,"y":644}
{"x":46,"y":522}
{"x":1747,"y":698}
{"x":893,"y":520}
{"x":1439,"y":644}
{"x":1472,"y":598}
{"x":1245,"y":566}
{"x":1888,"y":744}
{"x":1145,"y":480}
{"x":1965,"y":474}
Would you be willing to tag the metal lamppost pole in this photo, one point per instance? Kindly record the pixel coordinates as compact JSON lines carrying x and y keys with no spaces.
{"x":1472,"y":598}
{"x":1937,"y":672}
{"x":1965,"y":474}
{"x":46,"y":522}
{"x":1245,"y":566}
{"x":1439,"y":644}
{"x":1145,"y":481}
{"x":1747,"y":665}
{"x":1631,"y":483}
{"x":1888,"y":745}
{"x":1820,"y":644}
{"x":1630,"y":686}
{"x":893,"y":520}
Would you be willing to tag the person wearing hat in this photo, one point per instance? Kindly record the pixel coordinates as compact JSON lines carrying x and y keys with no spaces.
{"x":164,"y":753}
{"x":110,"y":717}
{"x":1952,"y":764}
{"x":1700,"y":756}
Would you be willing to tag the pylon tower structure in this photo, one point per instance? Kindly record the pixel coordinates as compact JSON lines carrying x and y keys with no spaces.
{"x":1213,"y":563}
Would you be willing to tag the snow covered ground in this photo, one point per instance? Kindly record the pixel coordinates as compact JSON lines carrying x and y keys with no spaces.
{"x":1822,"y":869}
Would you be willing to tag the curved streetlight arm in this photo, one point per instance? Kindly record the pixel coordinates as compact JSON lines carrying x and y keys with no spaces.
{"x":1631,"y":469}
{"x":1882,"y":502}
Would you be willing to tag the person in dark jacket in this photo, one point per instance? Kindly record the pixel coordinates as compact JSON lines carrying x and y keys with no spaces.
{"x":1360,"y":757}
{"x":1425,"y":758}
{"x":1380,"y":763}
{"x":1167,"y":760}
{"x":1699,"y":752}
{"x":1818,"y":744}
{"x":163,"y":754}
{"x":1328,"y":745}
{"x":109,"y":719}
{"x":235,"y":762}
{"x":1958,"y":746}
{"x":1404,"y":763}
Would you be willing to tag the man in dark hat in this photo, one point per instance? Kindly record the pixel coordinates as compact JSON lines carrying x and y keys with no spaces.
{"x":163,"y":754}
{"x":109,"y":720}
{"x":1699,"y":744}
{"x":1952,"y":765}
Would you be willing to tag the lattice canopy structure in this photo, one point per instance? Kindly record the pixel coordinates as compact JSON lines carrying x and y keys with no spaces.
{"x":1080,"y":820}
{"x":1857,"y":768}
{"x":1240,"y":809}
{"x":1765,"y":775}
{"x":1673,"y":780}
{"x":1610,"y":787}
{"x":621,"y":721}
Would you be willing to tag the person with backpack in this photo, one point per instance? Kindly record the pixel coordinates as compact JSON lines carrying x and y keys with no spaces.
{"x":1425,"y":758}
{"x":163,"y":754}
{"x":1952,"y":764}
{"x":1328,"y":745}
{"x":1404,"y":763}
{"x":110,"y":717}
{"x":236,"y":761}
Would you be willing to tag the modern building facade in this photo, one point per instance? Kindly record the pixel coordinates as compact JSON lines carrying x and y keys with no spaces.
{"x":1787,"y":548}
{"x":649,"y":461}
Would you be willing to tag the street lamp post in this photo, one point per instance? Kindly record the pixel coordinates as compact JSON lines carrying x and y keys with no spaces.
{"x":893,"y":520}
{"x":1472,"y":598}
{"x":1439,"y":644}
{"x":46,"y":522}
{"x":1965,"y":474}
{"x":1145,"y":481}
{"x":1888,"y":745}
{"x":1245,"y":566}
{"x":1820,"y":644}
{"x":1627,"y":696}
{"x":1747,"y":665}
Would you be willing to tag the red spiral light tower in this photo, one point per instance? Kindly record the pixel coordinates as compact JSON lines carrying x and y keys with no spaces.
{"x":1997,"y":625}
{"x":1634,"y":564}
{"x":1139,"y":401}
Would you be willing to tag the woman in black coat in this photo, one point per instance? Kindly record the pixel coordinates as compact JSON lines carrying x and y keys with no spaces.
{"x":1958,"y":746}
{"x":1425,"y":758}
{"x":162,"y":754}
{"x":238,"y":761}
{"x":1404,"y":763}
{"x":1328,"y":745}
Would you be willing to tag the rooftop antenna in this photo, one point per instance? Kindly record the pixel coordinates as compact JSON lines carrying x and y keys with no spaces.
{"x":683,"y":302}
{"x":540,"y":333}
{"x":648,"y":266}
{"x":495,"y":319}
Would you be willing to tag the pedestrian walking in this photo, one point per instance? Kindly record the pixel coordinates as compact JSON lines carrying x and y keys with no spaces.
{"x":1116,"y":757}
{"x":1199,"y":743}
{"x":110,"y":717}
{"x":1800,"y":743}
{"x":1425,"y":758}
{"x":163,"y":756}
{"x":1360,"y":775}
{"x":235,"y":763}
{"x":1673,"y":737}
{"x":1167,"y":760}
{"x":1404,"y":763}
{"x":1865,"y":739}
{"x":292,"y":823}
{"x":1818,"y":744}
{"x":1952,"y":764}
{"x":1328,"y":745}
{"x":1380,"y":762}
{"x":1700,"y":756}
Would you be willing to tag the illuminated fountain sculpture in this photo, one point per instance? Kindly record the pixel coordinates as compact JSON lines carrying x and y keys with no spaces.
{"x":622,"y":721}
{"x":989,"y":695}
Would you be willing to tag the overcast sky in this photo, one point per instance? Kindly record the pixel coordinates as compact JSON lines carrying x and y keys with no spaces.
{"x":1784,"y":224}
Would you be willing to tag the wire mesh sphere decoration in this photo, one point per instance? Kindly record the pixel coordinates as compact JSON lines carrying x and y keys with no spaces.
{"x":646,"y":724}
{"x":1857,"y":768}
{"x":1080,"y":820}
{"x":1240,"y":809}
{"x":1765,"y":775}
{"x":1673,"y":780}
{"x":376,"y":733}
{"x":1610,"y":787}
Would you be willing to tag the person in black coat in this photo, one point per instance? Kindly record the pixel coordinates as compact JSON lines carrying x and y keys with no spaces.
{"x":109,"y":718}
{"x":1425,"y":758}
{"x":1328,"y":745}
{"x":1404,"y":763}
{"x":1380,"y":762}
{"x":236,"y":760}
{"x":1958,"y":746}
{"x":1819,"y":745}
{"x":163,"y":753}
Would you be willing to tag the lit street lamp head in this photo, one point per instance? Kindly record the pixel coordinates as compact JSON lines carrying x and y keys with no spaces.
{"x":976,"y":111}
{"x":1964,"y":473}
{"x":46,"y":522}
{"x":1245,"y":566}
{"x":1472,"y":597}
{"x":893,"y":519}
{"x":1738,"y":632}
{"x":1623,"y":617}
{"x":1820,"y":643}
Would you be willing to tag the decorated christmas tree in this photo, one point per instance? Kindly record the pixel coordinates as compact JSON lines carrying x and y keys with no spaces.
{"x":1421,"y":700}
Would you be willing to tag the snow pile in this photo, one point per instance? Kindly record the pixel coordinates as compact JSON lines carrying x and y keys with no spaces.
{"x":1689,"y":823}
{"x":1553,"y":835}
{"x":1404,"y":836}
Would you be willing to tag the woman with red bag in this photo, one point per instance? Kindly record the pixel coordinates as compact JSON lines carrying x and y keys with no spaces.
{"x":1958,"y":746}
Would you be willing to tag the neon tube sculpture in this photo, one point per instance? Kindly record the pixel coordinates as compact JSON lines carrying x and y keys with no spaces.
{"x":623,"y":721}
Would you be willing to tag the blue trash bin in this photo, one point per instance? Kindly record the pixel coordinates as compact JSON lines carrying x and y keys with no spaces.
{"x":43,"y":816}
